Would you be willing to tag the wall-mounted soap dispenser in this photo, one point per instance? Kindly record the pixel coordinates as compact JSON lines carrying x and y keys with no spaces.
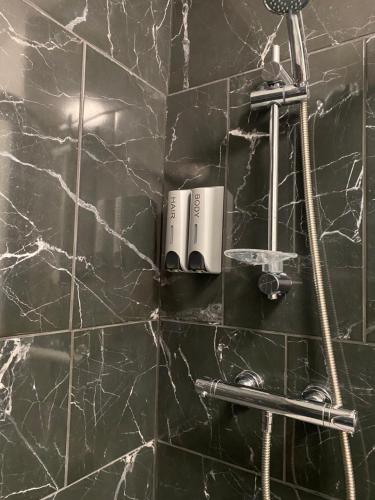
{"x":206,"y":230}
{"x":176,"y":245}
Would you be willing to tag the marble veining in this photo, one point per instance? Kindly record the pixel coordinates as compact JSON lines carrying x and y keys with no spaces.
{"x":130,"y":477}
{"x":40,"y":94}
{"x":99,"y":383}
{"x":313,"y":452}
{"x":370,"y":139}
{"x":336,"y":100}
{"x":120,"y":197}
{"x":34,"y":378}
{"x":219,"y":430}
{"x":136,"y":34}
{"x":227,"y":37}
{"x":113,"y":394}
{"x":196,"y":141}
{"x":210,"y":479}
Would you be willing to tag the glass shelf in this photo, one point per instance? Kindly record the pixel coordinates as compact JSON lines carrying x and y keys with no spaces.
{"x":254,"y":257}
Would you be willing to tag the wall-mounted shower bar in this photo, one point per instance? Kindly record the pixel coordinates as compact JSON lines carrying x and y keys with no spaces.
{"x":324,"y":415}
{"x":273,"y":199}
{"x":283,"y":96}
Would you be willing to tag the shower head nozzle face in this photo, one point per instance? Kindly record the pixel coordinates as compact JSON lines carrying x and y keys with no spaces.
{"x":282,"y":7}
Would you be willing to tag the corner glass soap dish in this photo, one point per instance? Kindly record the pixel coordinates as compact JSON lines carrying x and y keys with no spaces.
{"x":268,"y":259}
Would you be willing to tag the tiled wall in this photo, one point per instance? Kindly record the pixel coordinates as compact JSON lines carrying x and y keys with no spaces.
{"x":82,"y":131}
{"x":218,"y":326}
{"x":82,"y":128}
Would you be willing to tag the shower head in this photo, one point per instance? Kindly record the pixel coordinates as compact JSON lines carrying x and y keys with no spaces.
{"x":282,"y":7}
{"x":296,"y":31}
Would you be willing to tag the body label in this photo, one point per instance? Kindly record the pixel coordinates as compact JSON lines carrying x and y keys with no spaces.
{"x":197,"y":205}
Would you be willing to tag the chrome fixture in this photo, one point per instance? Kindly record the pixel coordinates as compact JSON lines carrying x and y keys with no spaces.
{"x":279,"y":89}
{"x":249,"y":379}
{"x":317,"y":394}
{"x":282,"y":7}
{"x":297,"y":46}
{"x":308,"y":411}
{"x":318,"y":406}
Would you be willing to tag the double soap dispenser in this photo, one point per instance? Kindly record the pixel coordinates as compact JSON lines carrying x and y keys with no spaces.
{"x":194,"y":230}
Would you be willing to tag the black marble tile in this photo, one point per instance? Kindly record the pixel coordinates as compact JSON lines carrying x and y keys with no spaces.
{"x":136,"y":34}
{"x":34,"y":382}
{"x":335,"y":123}
{"x":370,"y":177}
{"x":113,"y":395}
{"x":195,"y":157}
{"x":211,"y":479}
{"x":221,"y":38}
{"x":314,"y":455}
{"x":196,"y":137}
{"x":39,"y":107}
{"x":131,"y":477}
{"x":120,"y":197}
{"x":217,"y":429}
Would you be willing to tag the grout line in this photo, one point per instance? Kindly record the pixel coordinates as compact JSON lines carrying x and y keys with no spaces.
{"x":285,"y":420}
{"x":28,"y":335}
{"x":77,"y":330}
{"x":96,"y":49}
{"x":156,"y":414}
{"x":248,"y":471}
{"x":213,"y":82}
{"x":69,"y":416}
{"x":75,"y":238}
{"x":78,"y":184}
{"x":209,"y":457}
{"x":115,"y":325}
{"x":170,"y":46}
{"x":254,"y":70}
{"x":149,"y":444}
{"x":266,"y":332}
{"x":225,"y":215}
{"x":364,"y":194}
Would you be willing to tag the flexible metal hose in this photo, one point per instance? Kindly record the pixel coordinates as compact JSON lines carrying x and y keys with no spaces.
{"x":320,"y":293}
{"x":266,"y":455}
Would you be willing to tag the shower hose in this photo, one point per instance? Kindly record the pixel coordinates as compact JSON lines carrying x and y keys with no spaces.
{"x":324,"y":321}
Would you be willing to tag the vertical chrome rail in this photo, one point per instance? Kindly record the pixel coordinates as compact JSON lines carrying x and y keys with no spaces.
{"x":273,"y":202}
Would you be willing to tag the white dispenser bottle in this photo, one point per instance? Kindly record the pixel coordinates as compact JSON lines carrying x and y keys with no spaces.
{"x":206,"y":230}
{"x":176,"y":243}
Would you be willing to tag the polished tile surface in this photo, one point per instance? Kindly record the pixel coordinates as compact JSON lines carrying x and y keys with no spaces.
{"x":136,"y":34}
{"x":131,"y":477}
{"x":34,"y":382}
{"x":113,"y":395}
{"x":313,"y":453}
{"x":370,"y":137}
{"x":120,"y":197}
{"x":39,"y":108}
{"x":217,"y":429}
{"x":220,"y":38}
{"x":195,"y":157}
{"x":210,"y":479}
{"x":335,"y":111}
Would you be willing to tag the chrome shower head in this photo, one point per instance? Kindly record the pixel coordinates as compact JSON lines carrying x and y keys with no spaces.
{"x":282,"y":7}
{"x":296,"y":31}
